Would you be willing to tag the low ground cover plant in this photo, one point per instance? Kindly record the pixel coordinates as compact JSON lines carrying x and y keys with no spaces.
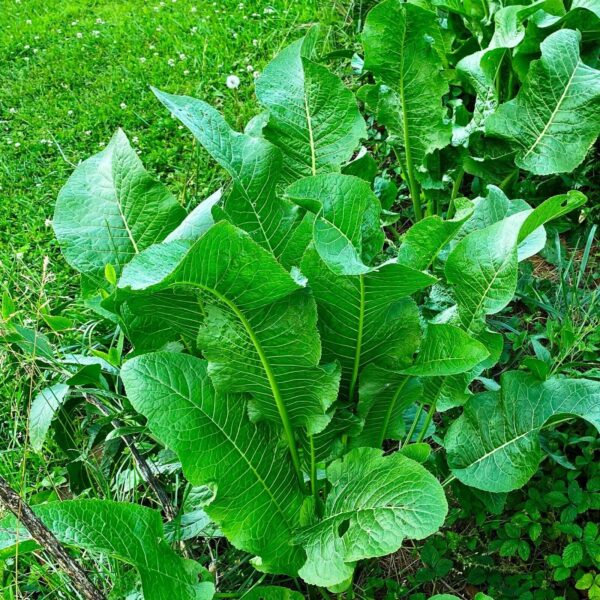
{"x":321,"y":373}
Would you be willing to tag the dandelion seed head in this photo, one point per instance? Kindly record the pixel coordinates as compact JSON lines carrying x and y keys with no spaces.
{"x":233,"y":82}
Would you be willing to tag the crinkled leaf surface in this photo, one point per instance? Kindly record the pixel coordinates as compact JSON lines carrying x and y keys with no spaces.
{"x":254,"y":165}
{"x":313,"y":117}
{"x":258,"y":498}
{"x":367,"y":318}
{"x":272,"y":592}
{"x":405,"y":51}
{"x":555,"y":117}
{"x":482,"y":269}
{"x":258,"y":336}
{"x":375,"y":502}
{"x":346,"y":231}
{"x":198,"y":221}
{"x":110,"y":209}
{"x":447,"y":350}
{"x":495,"y":446}
{"x":42,"y":411}
{"x":426,"y":238}
{"x":383,"y":396}
{"x":128,"y":532}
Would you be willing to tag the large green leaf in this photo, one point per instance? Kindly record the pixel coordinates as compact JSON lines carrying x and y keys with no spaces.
{"x":272,"y":592}
{"x":367,"y":318}
{"x":346,"y":230}
{"x":447,"y":350}
{"x":482,"y":269}
{"x":374,"y":503}
{"x":426,"y":238}
{"x":198,"y":221}
{"x":384,"y":395}
{"x":405,"y":51}
{"x":258,"y":498}
{"x":482,"y":68}
{"x":258,"y":336}
{"x":42,"y":411}
{"x":555,"y":117}
{"x":110,"y":209}
{"x":254,"y":166}
{"x":494,"y":445}
{"x":313,"y":117}
{"x":131,"y":533}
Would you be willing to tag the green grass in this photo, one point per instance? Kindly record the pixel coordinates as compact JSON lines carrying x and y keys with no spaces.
{"x":72,"y":72}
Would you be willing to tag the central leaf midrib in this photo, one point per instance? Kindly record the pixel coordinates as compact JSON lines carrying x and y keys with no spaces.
{"x":388,"y":414}
{"x":313,"y":157}
{"x":229,"y":439}
{"x":554,"y":112}
{"x":283,"y":414}
{"x":359,"y":336}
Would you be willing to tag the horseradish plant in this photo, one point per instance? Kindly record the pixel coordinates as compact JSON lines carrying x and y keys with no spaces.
{"x":290,"y":353}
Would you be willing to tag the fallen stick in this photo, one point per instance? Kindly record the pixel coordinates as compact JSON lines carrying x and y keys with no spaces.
{"x":47,"y":540}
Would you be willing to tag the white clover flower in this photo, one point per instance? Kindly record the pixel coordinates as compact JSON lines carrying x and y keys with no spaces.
{"x":28,"y":21}
{"x":249,"y":68}
{"x":233,"y":82}
{"x":27,"y":46}
{"x":268,"y":10}
{"x":79,"y":35}
{"x":99,"y":22}
{"x":123,"y":105}
{"x":171,"y":62}
{"x":88,"y":132}
{"x":182,"y":56}
{"x":135,"y":139}
{"x":186,"y":72}
{"x":12,"y":110}
{"x":142,"y":59}
{"x":17,"y":144}
{"x":95,"y":33}
{"x":193,"y":9}
{"x":255,"y":42}
{"x":70,"y":113}
{"x":256,"y":74}
{"x":48,"y":222}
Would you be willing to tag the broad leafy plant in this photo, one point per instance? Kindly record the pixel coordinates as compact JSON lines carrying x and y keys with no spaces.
{"x":287,"y":343}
